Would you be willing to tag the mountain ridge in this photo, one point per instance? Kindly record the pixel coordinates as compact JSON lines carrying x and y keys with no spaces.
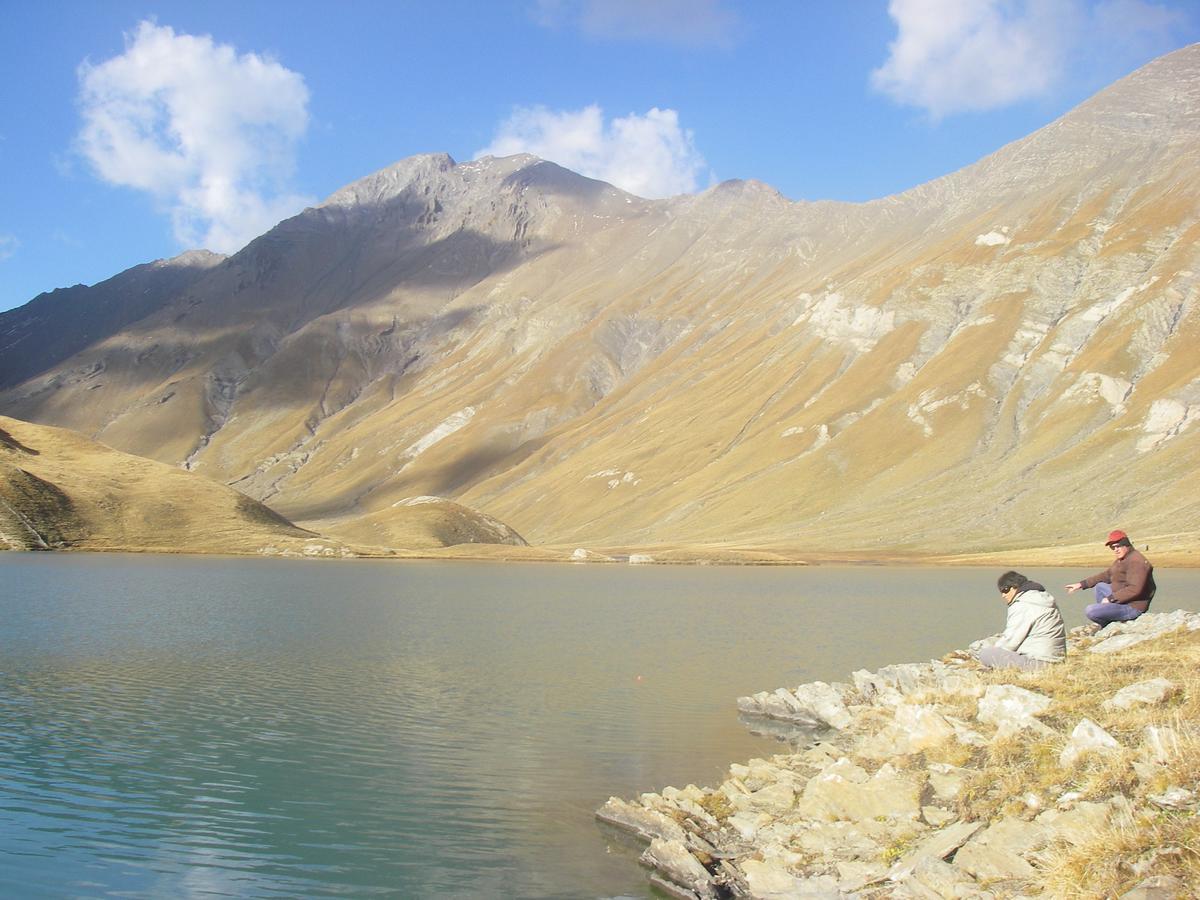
{"x":722,"y":368}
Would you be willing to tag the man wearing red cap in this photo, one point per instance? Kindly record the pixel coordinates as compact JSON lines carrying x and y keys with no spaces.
{"x":1124,"y":590}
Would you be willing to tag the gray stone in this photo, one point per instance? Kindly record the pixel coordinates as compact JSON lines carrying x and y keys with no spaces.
{"x":815,"y":704}
{"x":992,"y":863}
{"x":936,"y":816}
{"x":946,"y":780}
{"x":1160,"y":743}
{"x":647,"y":824}
{"x":772,"y":880}
{"x":826,"y":701}
{"x":1122,"y":635}
{"x":1077,"y":824}
{"x":1087,"y":738}
{"x":673,"y":860}
{"x":1174,"y":798}
{"x":854,"y":875}
{"x":1151,"y":692}
{"x":939,"y":845}
{"x":915,"y":727}
{"x":1160,"y":887}
{"x":844,"y":840}
{"x":1011,"y":708}
{"x":774,"y":799}
{"x":943,"y":879}
{"x":891,"y":684}
{"x":747,"y":823}
{"x":888,"y":794}
{"x":997,"y":853}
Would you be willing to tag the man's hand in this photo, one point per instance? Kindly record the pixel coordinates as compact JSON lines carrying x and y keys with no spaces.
{"x":1072,"y":588}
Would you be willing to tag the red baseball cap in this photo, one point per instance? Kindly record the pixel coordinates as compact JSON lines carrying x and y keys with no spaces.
{"x":1114,"y":536}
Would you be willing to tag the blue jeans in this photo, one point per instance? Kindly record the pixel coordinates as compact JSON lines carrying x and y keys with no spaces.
{"x":1102,"y":613}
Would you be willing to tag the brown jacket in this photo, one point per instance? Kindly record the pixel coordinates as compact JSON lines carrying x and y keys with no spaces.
{"x":1132,"y":580}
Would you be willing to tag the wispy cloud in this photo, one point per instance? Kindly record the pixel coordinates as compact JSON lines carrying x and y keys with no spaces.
{"x":8,"y":246}
{"x":695,"y":23}
{"x":951,"y":57}
{"x":649,"y":155}
{"x":209,"y":132}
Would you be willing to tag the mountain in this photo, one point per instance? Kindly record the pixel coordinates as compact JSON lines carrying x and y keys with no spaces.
{"x":60,"y":490}
{"x":1002,"y":358}
{"x":56,"y":325}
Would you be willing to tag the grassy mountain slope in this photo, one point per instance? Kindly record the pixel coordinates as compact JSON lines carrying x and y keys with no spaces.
{"x":1002,"y":358}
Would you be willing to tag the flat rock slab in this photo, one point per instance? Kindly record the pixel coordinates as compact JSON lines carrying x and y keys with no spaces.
{"x":1151,"y":692}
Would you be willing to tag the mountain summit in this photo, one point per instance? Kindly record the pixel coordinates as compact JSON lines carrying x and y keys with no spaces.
{"x":1001,"y":358}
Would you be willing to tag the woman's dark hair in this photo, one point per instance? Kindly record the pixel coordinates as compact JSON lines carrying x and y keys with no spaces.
{"x":1010,"y":580}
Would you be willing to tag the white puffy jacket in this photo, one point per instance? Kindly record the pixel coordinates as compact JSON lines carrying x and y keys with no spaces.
{"x":1035,"y":627}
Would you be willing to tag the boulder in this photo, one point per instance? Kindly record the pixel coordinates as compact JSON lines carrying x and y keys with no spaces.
{"x":772,"y":880}
{"x":843,"y":840}
{"x":815,"y":704}
{"x":747,"y":823}
{"x":940,"y":879}
{"x":647,"y":824}
{"x":887,"y":794}
{"x":1160,"y":743}
{"x":937,"y":816}
{"x":999,"y":852}
{"x":673,"y":860}
{"x":1122,"y":635}
{"x":856,"y":874}
{"x":774,"y":799}
{"x":891,"y":684}
{"x":1151,"y":692}
{"x":938,"y":846}
{"x":1087,"y":738}
{"x":1011,"y":708}
{"x":946,"y":780}
{"x":915,"y":727}
{"x":1077,"y":824}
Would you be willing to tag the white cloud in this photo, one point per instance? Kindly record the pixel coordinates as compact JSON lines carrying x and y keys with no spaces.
{"x":688,"y":22}
{"x":951,"y":56}
{"x":650,"y":155}
{"x":211,"y":134}
{"x":8,"y":246}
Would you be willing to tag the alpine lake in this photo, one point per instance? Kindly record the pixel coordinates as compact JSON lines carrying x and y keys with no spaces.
{"x":234,"y":727}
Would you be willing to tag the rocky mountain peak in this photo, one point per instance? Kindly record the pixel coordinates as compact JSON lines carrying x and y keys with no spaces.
{"x":388,"y":183}
{"x":191,"y":259}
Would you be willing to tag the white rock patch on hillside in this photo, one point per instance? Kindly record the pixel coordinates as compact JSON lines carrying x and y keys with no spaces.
{"x":993,"y":239}
{"x":448,"y":426}
{"x":833,"y":319}
{"x":1167,"y":419}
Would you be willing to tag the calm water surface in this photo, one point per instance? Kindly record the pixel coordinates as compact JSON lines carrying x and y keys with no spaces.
{"x":198,"y":727}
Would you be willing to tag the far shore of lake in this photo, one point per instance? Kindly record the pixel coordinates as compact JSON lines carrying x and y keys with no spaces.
{"x":1172,"y":551}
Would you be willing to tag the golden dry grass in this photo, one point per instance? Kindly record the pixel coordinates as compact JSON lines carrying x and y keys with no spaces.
{"x":1114,"y":858}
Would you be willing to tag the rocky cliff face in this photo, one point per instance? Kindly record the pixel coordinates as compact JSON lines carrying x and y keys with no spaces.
{"x":1003,"y":357}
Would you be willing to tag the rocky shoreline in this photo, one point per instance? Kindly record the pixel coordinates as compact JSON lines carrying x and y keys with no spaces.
{"x":890,"y":795}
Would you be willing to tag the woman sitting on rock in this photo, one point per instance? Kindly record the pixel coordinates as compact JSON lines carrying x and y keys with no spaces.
{"x":1034,"y":634}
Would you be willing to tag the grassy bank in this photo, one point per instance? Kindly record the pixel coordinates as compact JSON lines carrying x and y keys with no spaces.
{"x":1020,"y":773}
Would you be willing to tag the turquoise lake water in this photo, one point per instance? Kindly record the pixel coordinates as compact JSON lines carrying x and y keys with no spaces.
{"x":212,"y":727}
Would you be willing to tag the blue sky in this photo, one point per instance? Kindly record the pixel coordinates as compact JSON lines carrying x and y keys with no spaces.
{"x":130,"y":131}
